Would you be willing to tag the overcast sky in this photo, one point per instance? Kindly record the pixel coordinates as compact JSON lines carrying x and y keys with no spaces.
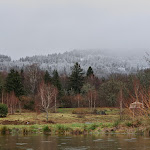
{"x":29,"y":27}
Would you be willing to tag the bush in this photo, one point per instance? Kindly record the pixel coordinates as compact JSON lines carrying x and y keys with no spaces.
{"x":116,"y":123}
{"x":80,"y":116}
{"x":4,"y":130}
{"x":93,"y":126}
{"x":3,"y":110}
{"x":46,"y":129}
{"x":25,"y":131}
{"x":61,"y":129}
{"x":29,"y":105}
{"x":95,"y":111}
{"x":137,"y":123}
{"x":129,"y":124}
{"x":79,"y":111}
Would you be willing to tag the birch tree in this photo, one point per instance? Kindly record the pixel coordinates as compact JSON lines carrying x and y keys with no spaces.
{"x":32,"y":77}
{"x":12,"y":102}
{"x":55,"y":98}
{"x":78,"y":98}
{"x":46,"y":94}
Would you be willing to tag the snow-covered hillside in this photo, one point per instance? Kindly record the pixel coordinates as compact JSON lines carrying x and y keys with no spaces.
{"x":102,"y":63}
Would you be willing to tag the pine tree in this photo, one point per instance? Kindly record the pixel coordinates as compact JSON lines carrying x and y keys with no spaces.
{"x":90,"y":72}
{"x":1,"y":84}
{"x":14,"y":83}
{"x":19,"y":89}
{"x":76,"y":78}
{"x":22,"y":76}
{"x":47,"y":77}
{"x":56,"y":80}
{"x":9,"y":85}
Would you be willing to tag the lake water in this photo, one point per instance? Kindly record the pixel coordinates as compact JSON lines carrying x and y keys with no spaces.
{"x":90,"y":142}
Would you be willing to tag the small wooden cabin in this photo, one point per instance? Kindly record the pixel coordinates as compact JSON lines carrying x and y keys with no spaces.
{"x":137,"y":108}
{"x":136,"y":105}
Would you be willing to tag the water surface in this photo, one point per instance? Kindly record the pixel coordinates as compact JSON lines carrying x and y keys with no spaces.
{"x":90,"y":142}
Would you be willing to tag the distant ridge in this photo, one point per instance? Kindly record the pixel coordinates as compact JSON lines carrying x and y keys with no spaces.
{"x":102,"y":62}
{"x":4,"y":58}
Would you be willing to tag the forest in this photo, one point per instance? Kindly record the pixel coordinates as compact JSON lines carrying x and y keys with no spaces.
{"x":36,"y":90}
{"x":102,"y":62}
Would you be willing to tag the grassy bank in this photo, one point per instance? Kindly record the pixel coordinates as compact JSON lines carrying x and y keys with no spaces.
{"x":73,"y":121}
{"x":77,"y":128}
{"x":63,"y":116}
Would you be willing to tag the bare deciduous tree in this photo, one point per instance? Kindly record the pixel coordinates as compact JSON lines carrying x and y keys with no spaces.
{"x":55,"y":97}
{"x":95,"y":97}
{"x":91,"y":98}
{"x":121,"y":102}
{"x":12,"y":102}
{"x":47,"y":94}
{"x":32,"y":75}
{"x":78,"y":98}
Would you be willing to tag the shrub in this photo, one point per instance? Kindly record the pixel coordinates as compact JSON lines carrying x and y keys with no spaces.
{"x":29,"y":105}
{"x":116,"y":123}
{"x":80,"y":116}
{"x":95,"y":111}
{"x":61,"y":129}
{"x":85,"y":128}
{"x":137,"y":123}
{"x":129,"y":124}
{"x":3,"y":110}
{"x":4,"y":130}
{"x":25,"y":131}
{"x":77,"y":132}
{"x":79,"y":111}
{"x":46,"y":129}
{"x":93,"y":126}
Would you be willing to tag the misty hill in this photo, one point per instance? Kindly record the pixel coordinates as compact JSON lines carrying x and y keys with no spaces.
{"x":4,"y":58}
{"x":102,"y":62}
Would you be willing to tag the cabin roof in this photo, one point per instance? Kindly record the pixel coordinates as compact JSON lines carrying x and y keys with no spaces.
{"x":136,"y":105}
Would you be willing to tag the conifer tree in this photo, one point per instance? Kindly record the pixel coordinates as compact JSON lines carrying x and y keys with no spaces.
{"x":1,"y":84}
{"x":47,"y":77}
{"x":90,"y":72}
{"x":76,"y":78}
{"x":56,"y":80}
{"x":14,"y":83}
{"x":22,"y":76}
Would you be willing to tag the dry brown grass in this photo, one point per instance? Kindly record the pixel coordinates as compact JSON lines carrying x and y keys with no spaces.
{"x":60,"y":118}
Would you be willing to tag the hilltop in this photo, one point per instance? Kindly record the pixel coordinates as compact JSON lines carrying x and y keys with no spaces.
{"x":102,"y":62}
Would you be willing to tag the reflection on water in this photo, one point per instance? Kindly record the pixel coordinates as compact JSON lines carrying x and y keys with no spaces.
{"x":90,"y":142}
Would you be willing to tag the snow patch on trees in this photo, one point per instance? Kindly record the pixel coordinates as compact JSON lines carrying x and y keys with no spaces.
{"x":102,"y":63}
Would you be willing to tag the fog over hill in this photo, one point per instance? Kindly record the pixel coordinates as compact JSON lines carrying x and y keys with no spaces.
{"x":103,"y":62}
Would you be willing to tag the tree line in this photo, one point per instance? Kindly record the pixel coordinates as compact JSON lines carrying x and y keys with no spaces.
{"x":36,"y":90}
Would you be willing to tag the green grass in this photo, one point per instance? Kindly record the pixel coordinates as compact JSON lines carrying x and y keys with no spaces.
{"x":65,"y":110}
{"x":46,"y":129}
{"x":108,"y":111}
{"x":65,"y":122}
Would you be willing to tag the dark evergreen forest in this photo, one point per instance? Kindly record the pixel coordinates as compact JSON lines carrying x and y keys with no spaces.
{"x":23,"y":89}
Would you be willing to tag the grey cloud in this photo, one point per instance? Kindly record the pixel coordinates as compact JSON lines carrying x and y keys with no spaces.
{"x":31,"y":27}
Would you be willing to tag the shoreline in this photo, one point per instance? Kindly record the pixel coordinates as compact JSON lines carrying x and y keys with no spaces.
{"x":74,"y":122}
{"x":72,"y":129}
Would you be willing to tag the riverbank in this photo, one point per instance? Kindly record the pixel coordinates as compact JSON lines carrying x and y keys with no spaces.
{"x":75,"y":129}
{"x":63,"y":116}
{"x":73,"y":121}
